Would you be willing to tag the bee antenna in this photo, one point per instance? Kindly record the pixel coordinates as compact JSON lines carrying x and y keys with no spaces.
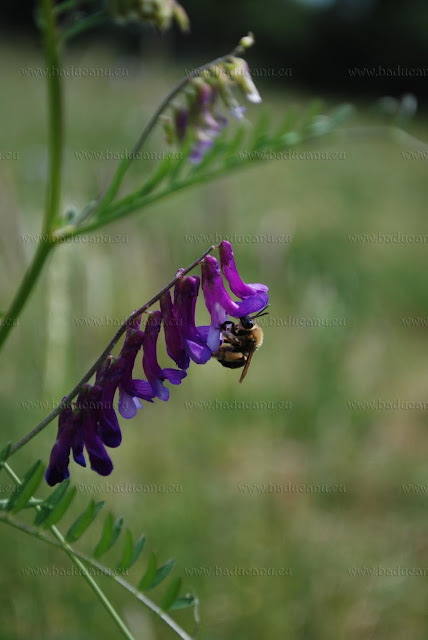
{"x":260,"y":313}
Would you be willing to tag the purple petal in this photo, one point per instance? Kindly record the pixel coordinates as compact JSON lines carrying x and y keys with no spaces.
{"x":214,"y":289}
{"x":98,"y":456}
{"x":160,"y":390}
{"x":172,"y":333}
{"x":181,"y":122}
{"x":202,"y":332}
{"x":69,"y":423}
{"x":150,"y":363}
{"x":127,"y":407}
{"x":174,"y":376}
{"x":193,"y":338}
{"x":230,"y":272}
{"x":143,"y":390}
{"x":110,"y":431}
{"x":253,"y":304}
{"x":199,"y":352}
{"x":218,"y":317}
{"x":54,"y":475}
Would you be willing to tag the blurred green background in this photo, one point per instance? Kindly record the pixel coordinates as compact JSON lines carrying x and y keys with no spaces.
{"x":312,"y":434}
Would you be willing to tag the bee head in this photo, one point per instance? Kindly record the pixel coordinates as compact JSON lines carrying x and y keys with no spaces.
{"x":246,"y":322}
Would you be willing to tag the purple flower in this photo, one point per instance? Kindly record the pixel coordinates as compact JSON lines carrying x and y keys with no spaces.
{"x":237,"y":286}
{"x":108,"y":379}
{"x":193,"y":339}
{"x":220,"y":304}
{"x":78,"y":427}
{"x":155,"y":375}
{"x":205,"y":123}
{"x":172,"y":332}
{"x":98,"y":457}
{"x":69,"y":438}
{"x":181,"y":122}
{"x":130,"y":390}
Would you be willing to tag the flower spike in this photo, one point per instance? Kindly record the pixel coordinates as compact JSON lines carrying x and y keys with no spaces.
{"x":91,"y":423}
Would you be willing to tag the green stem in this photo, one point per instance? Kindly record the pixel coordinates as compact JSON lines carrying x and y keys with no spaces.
{"x":51,"y":45}
{"x":110,"y":193}
{"x":82,"y":569}
{"x":87,"y":23}
{"x":53,"y":190}
{"x":10,"y":319}
{"x":129,"y":205}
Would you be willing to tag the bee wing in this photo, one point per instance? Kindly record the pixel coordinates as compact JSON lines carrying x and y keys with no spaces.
{"x":247,"y":363}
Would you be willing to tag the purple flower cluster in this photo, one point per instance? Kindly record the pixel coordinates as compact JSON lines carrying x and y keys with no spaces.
{"x":91,"y":422}
{"x":201,"y":117}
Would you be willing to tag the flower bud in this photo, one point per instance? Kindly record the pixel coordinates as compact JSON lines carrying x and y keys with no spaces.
{"x":240,"y":73}
{"x":247,"y":41}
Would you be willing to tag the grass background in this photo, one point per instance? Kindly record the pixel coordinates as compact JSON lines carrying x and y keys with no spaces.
{"x":210,"y":451}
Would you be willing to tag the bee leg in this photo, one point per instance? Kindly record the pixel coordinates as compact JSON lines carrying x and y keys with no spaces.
{"x":230,"y":338}
{"x":232,"y":356}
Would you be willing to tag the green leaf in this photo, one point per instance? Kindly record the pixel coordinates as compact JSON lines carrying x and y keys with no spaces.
{"x":150,"y":574}
{"x":289,"y":122}
{"x":342,"y":113}
{"x":109,"y":536}
{"x":138,"y":547}
{"x":161,"y":574}
{"x":183,"y":160}
{"x":261,"y":135}
{"x":127,"y":552}
{"x":236,"y":141}
{"x":60,"y":508}
{"x":171,"y":594}
{"x":182,"y":603}
{"x":131,"y":552}
{"x":80,"y":525}
{"x":4,"y":453}
{"x":29,"y":485}
{"x":47,"y":506}
{"x":291,"y":139}
{"x":314,"y":109}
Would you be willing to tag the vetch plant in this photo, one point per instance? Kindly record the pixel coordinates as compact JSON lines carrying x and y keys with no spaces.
{"x":197,"y":117}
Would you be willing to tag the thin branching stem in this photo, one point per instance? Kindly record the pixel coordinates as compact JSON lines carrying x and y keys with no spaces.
{"x":53,"y":189}
{"x":83,"y":571}
{"x":111,"y":191}
{"x":6,"y":519}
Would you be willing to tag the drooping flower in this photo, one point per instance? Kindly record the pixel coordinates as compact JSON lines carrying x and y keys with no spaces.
{"x":78,"y":428}
{"x":171,"y":327}
{"x":206,"y":126}
{"x":193,"y":339}
{"x":220,"y":304}
{"x":98,"y":457}
{"x":240,"y":73}
{"x":131,"y":391}
{"x":237,"y":286}
{"x":69,"y":438}
{"x":155,"y":375}
{"x":108,"y":379}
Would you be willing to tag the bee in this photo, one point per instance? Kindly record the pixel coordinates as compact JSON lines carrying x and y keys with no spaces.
{"x":240,"y":340}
